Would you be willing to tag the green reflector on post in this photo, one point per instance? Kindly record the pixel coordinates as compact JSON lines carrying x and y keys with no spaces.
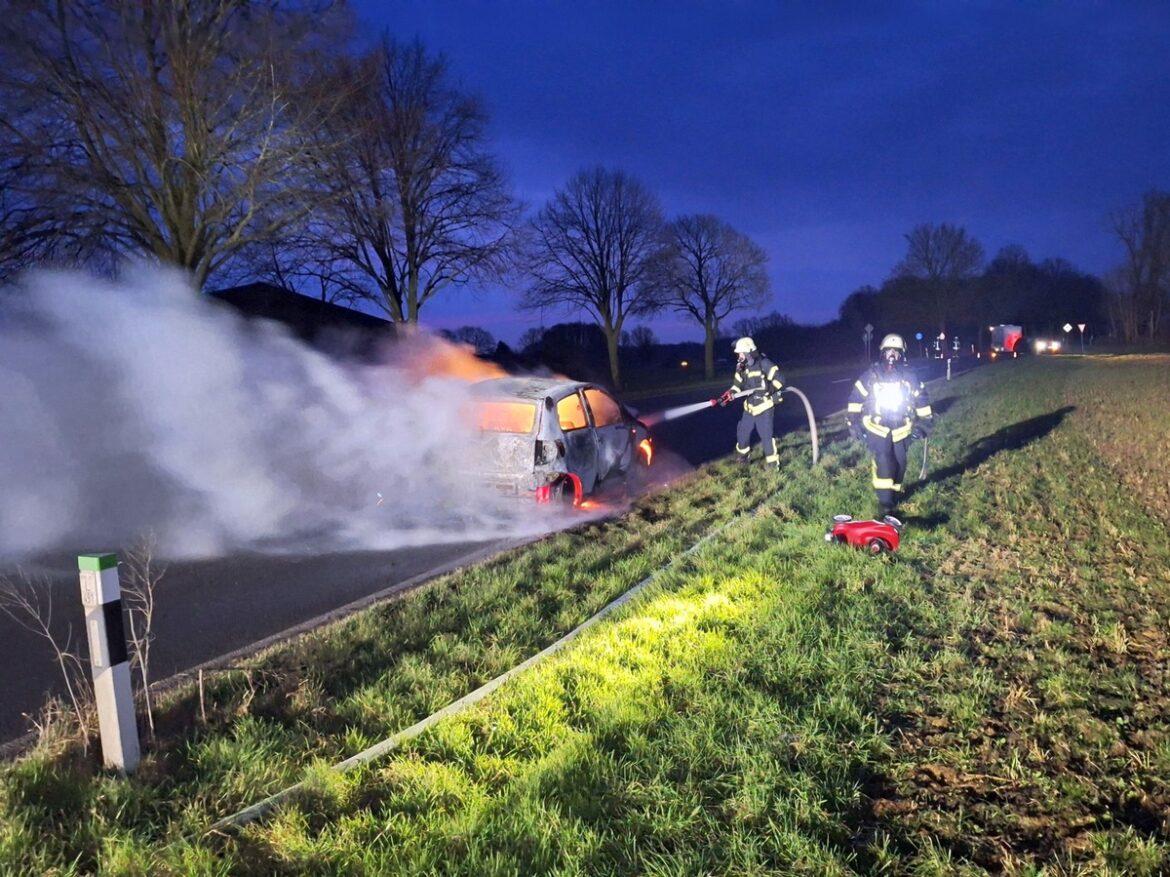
{"x":96,"y":562}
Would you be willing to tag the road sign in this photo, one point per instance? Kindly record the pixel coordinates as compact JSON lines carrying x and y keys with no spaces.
{"x":1081,"y":326}
{"x":1067,"y":327}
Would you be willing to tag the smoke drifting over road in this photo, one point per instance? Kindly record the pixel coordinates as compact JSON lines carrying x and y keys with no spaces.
{"x":136,"y":407}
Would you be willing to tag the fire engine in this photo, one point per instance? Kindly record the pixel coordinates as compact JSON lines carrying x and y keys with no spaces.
{"x":1005,"y":339}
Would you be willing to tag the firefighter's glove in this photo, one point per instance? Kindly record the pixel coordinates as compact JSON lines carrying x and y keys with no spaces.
{"x":726,"y":398}
{"x":923,"y":428}
{"x":855,"y":431}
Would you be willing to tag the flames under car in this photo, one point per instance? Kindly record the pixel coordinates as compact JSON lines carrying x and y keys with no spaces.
{"x":553,"y":439}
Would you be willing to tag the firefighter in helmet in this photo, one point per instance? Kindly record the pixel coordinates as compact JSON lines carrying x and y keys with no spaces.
{"x":888,"y":405}
{"x":758,"y":379}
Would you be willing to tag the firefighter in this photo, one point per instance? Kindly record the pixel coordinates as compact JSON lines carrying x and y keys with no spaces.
{"x":758,"y":378}
{"x":888,"y":405}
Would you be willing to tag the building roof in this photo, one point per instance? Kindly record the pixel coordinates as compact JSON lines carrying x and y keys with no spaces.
{"x":318,"y":322}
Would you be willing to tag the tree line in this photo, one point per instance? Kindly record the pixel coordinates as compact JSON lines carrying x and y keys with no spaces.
{"x":244,"y":140}
{"x":254,"y":139}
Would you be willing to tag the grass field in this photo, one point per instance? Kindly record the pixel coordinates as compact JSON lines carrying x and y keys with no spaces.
{"x":994,"y":698}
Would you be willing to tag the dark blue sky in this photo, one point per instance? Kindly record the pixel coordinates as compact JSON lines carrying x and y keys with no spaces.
{"x":825,"y":131}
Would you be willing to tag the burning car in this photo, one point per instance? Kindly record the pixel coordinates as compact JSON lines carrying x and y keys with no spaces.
{"x":876,"y":537}
{"x":555,"y":439}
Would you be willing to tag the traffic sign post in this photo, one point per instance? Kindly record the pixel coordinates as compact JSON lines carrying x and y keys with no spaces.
{"x":867,"y":336}
{"x":1081,"y":326}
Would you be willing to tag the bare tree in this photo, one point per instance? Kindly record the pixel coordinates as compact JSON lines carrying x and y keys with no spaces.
{"x":26,"y":230}
{"x":174,"y":130}
{"x":594,"y":246}
{"x":531,"y":338}
{"x":1121,"y":305}
{"x":29,"y":603}
{"x":1144,"y":282}
{"x":143,"y":574}
{"x":481,"y":339}
{"x":642,"y":340}
{"x":767,"y":323}
{"x":419,"y":203}
{"x":713,"y":271}
{"x":944,"y":257}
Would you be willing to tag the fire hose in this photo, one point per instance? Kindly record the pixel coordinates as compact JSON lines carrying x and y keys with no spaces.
{"x":925,"y":451}
{"x":812,"y":422}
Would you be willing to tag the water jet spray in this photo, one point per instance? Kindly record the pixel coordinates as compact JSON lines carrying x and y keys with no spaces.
{"x":678,"y":411}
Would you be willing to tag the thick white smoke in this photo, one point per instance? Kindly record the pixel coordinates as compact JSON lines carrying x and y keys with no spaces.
{"x":136,"y":407}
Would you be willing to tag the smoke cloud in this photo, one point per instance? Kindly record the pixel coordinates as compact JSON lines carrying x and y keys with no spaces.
{"x":137,"y":406}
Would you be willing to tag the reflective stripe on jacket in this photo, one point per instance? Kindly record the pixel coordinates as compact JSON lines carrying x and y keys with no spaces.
{"x":762,"y":380}
{"x":888,"y":402}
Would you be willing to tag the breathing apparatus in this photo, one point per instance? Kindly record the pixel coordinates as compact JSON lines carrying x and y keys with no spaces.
{"x":893,"y":351}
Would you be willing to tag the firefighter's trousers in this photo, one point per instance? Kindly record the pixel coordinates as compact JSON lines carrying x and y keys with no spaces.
{"x":889,"y":468}
{"x":762,"y":424}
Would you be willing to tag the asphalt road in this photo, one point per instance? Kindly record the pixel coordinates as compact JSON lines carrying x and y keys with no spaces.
{"x":206,"y":610}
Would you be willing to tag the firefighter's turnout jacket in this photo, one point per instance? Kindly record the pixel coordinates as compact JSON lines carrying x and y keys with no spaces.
{"x":887,"y":402}
{"x":761,"y":379}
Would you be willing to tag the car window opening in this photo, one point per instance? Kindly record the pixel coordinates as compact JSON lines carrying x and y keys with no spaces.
{"x":571,"y":413}
{"x":513,"y":417}
{"x":606,"y":411}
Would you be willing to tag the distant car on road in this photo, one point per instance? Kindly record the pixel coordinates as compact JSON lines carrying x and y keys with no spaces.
{"x":554,"y":439}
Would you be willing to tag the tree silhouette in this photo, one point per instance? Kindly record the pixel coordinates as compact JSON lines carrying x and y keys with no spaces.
{"x":944,"y":257}
{"x":418,"y":201}
{"x":594,"y":246}
{"x":713,"y":270}
{"x":1140,"y":291}
{"x":175,"y":130}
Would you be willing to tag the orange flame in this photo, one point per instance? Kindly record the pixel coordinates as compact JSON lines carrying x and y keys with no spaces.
{"x":459,"y":361}
{"x":429,"y":357}
{"x":647,"y":450}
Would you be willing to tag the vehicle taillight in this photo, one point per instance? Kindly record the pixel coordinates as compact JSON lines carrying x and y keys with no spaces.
{"x":547,"y":452}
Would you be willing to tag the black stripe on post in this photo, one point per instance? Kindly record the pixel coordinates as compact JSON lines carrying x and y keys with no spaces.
{"x":115,"y":633}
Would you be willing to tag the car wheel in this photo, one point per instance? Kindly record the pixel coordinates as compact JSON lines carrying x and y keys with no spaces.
{"x":877,"y":546}
{"x":564,"y":494}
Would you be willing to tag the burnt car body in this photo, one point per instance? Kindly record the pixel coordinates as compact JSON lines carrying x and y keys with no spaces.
{"x":555,"y":439}
{"x":876,"y":537}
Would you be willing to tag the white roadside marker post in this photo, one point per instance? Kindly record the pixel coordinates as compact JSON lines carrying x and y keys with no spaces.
{"x":101,"y":597}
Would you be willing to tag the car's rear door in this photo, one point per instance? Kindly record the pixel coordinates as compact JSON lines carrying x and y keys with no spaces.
{"x":614,"y":442}
{"x":580,"y":441}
